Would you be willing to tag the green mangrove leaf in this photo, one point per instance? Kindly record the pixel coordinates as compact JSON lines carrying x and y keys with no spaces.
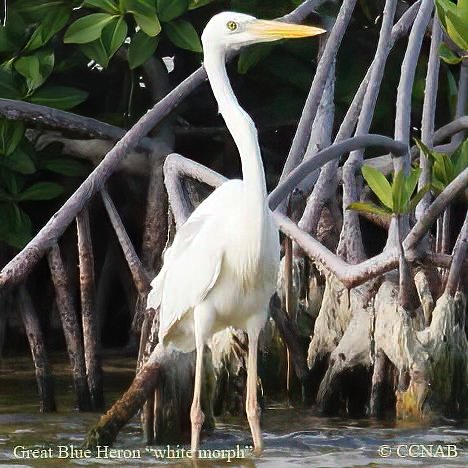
{"x":60,"y":97}
{"x":16,"y":225}
{"x":149,"y":24}
{"x":11,"y":182}
{"x":379,"y":184}
{"x":19,"y":161}
{"x":171,"y":9}
{"x":442,"y":7}
{"x":141,"y":7}
{"x":39,"y":8}
{"x":417,"y":198}
{"x":6,"y":42}
{"x":448,"y":56}
{"x":182,"y":34}
{"x":454,"y":20}
{"x":11,"y":133}
{"x":106,"y":5}
{"x":29,"y":68}
{"x":113,"y":36}
{"x":457,"y":29}
{"x":462,"y":6}
{"x":65,"y":166}
{"x":411,"y":181}
{"x":444,"y":169}
{"x":437,"y":186}
{"x":87,"y":29}
{"x":41,"y":191}
{"x":96,"y":51}
{"x":54,"y":21}
{"x":144,"y":12}
{"x":193,"y":4}
{"x":8,"y":86}
{"x":460,"y":158}
{"x":422,"y":147}
{"x":141,"y":49}
{"x":399,"y":193}
{"x":364,"y":207}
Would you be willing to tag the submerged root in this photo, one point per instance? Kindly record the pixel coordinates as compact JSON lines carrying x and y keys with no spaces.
{"x":445,"y":341}
{"x":173,"y":398}
{"x":294,"y":312}
{"x":349,"y":358}
{"x":109,"y":425}
{"x":332,"y":321}
{"x":420,"y":372}
{"x":340,"y":341}
{"x":229,"y":352}
{"x":434,"y":357}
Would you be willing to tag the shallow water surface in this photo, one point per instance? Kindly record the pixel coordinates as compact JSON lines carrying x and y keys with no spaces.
{"x":293,"y":437}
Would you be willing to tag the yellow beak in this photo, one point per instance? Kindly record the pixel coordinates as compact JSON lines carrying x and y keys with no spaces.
{"x":278,"y":30}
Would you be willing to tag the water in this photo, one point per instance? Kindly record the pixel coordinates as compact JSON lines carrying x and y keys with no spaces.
{"x":293,"y":438}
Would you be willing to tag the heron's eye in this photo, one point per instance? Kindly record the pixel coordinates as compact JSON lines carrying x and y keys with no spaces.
{"x":232,"y":25}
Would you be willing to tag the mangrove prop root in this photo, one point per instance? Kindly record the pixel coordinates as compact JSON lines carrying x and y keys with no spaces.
{"x":71,"y":327}
{"x":44,"y":377}
{"x":350,"y":357}
{"x":88,"y":311}
{"x":434,"y":357}
{"x":381,"y":365}
{"x":425,"y":296}
{"x":106,"y":430}
{"x":291,"y":338}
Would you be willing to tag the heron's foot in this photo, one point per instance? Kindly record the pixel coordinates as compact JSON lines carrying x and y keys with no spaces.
{"x":196,"y":417}
{"x":257,"y":450}
{"x":253,"y":416}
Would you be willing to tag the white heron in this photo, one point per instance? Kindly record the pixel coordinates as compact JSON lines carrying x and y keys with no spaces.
{"x":222,"y":267}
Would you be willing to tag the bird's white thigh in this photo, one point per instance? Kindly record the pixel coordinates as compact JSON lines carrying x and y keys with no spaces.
{"x":204,"y":317}
{"x":256,"y":323}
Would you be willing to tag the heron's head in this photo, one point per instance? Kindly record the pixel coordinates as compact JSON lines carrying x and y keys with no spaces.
{"x":230,"y":30}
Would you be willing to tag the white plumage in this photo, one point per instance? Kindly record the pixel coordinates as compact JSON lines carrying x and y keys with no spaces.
{"x":222,"y":267}
{"x":215,"y":258}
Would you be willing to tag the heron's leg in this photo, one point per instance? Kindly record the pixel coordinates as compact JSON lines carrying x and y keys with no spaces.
{"x":203,"y":316}
{"x":196,"y":414}
{"x":251,"y":406}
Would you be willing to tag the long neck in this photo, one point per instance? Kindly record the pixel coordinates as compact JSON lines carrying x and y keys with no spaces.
{"x":239,"y":124}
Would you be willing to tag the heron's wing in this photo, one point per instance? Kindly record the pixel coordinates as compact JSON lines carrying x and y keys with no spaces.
{"x":194,"y":260}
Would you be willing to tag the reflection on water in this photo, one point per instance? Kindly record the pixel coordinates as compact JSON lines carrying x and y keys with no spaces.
{"x":293,"y":437}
